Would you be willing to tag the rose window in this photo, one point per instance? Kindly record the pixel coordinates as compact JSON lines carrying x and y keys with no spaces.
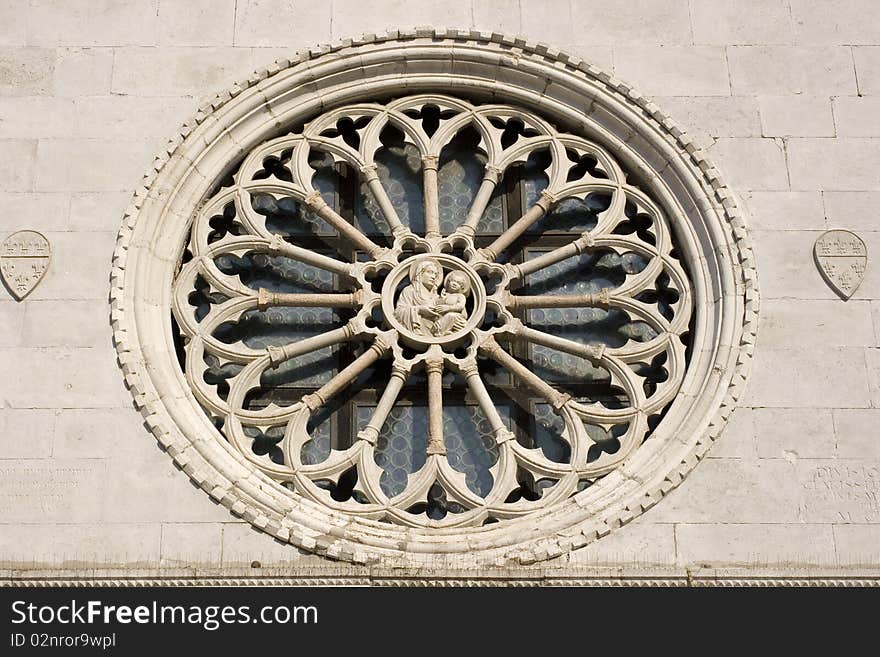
{"x":432,"y":313}
{"x":434,"y":299}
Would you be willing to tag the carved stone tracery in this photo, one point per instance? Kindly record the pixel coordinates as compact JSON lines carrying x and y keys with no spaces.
{"x":676,"y":188}
{"x":433,"y":306}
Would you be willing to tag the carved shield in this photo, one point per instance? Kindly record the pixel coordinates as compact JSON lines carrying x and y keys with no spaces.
{"x":842,"y":258}
{"x":24,"y":260}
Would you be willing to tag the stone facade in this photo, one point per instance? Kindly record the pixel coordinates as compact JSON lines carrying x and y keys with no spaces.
{"x":780,"y":96}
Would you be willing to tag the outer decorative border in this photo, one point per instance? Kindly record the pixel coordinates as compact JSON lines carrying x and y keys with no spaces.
{"x":557,"y":537}
{"x":679,"y":578}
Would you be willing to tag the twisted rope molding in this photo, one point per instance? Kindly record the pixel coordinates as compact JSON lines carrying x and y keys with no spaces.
{"x":242,"y":495}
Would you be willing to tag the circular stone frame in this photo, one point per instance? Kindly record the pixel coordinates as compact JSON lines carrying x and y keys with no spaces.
{"x":399,"y":273}
{"x":713,"y":244}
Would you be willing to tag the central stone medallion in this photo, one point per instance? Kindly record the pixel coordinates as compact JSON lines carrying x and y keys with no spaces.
{"x":433,"y":299}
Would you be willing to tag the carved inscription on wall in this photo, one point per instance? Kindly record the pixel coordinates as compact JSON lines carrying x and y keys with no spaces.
{"x":24,"y":259}
{"x":842,"y":258}
{"x":840,"y":491}
{"x":36,"y":490}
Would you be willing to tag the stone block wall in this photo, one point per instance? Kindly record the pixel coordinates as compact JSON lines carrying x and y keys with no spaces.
{"x":783,"y":94}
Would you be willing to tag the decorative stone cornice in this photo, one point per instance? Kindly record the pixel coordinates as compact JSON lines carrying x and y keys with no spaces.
{"x":520,"y":578}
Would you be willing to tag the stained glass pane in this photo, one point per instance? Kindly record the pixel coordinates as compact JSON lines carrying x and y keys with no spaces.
{"x":399,"y":167}
{"x":588,"y":273}
{"x":402,"y":445}
{"x":459,"y":177}
{"x":470,"y":444}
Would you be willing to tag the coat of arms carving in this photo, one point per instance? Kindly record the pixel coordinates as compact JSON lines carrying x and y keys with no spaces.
{"x":24,"y":260}
{"x":842,"y":258}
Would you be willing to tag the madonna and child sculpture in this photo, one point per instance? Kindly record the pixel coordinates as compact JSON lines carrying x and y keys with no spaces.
{"x":424,"y":310}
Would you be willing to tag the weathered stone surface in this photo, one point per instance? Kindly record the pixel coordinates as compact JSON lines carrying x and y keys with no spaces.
{"x":498,"y":15}
{"x":755,"y":545}
{"x":83,"y":71}
{"x":79,"y":546}
{"x":714,"y":116}
{"x":11,"y":320}
{"x":789,"y":433}
{"x":733,"y":490}
{"x":43,"y":212}
{"x":786,"y":259}
{"x":751,"y":163}
{"x":123,"y":166}
{"x":126,"y":116}
{"x":59,"y":490}
{"x":69,"y":323}
{"x":839,"y":491}
{"x":643,"y":544}
{"x":80,"y":378}
{"x":867,"y":61}
{"x":802,"y":323}
{"x":26,"y":71}
{"x":857,"y":545}
{"x":856,"y":116}
{"x":18,"y":164}
{"x":197,"y":23}
{"x":855,"y":211}
{"x":352,"y":17}
{"x":79,"y":267}
{"x":243,"y":545}
{"x":289,"y":23}
{"x":179,"y":71}
{"x":856,"y":430}
{"x":781,"y":210}
{"x":741,"y":23}
{"x":97,"y":211}
{"x":816,"y":377}
{"x":186,"y":545}
{"x":13,"y":17}
{"x":26,"y":433}
{"x":92,"y":22}
{"x":550,"y":22}
{"x":836,"y":21}
{"x":738,"y":438}
{"x":639,"y":22}
{"x":154,"y":490}
{"x":142,"y":483}
{"x":870,"y":287}
{"x":602,"y":56}
{"x":796,"y":116}
{"x":834,"y":164}
{"x":100,"y":433}
{"x":872,"y":356}
{"x":673,"y":70}
{"x":777,"y":70}
{"x":36,"y":117}
{"x":875,"y":311}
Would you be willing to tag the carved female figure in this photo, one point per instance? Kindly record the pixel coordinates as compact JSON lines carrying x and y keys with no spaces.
{"x":415,"y":307}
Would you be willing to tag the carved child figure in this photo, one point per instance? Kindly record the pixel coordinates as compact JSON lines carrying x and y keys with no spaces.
{"x":451,"y":308}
